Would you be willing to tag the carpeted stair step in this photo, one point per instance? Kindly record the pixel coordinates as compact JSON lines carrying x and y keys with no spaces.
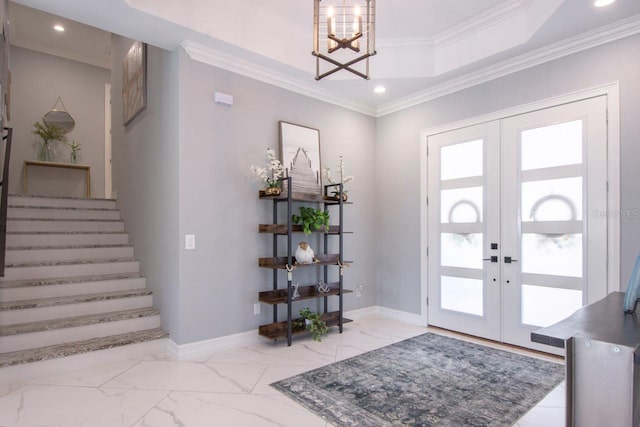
{"x":45,"y":212}
{"x":44,"y":333}
{"x":80,"y":347}
{"x":65,"y":253}
{"x":33,"y":310}
{"x":16,"y":290}
{"x":40,"y":270}
{"x":69,"y":238}
{"x":61,"y":202}
{"x":62,"y":225}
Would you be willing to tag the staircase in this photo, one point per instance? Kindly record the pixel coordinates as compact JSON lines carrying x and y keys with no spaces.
{"x":71,"y":283}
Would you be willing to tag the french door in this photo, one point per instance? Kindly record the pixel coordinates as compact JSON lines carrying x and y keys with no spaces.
{"x":512,"y":244}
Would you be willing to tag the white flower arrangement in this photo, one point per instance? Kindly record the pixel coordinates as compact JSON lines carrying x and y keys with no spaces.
{"x":343,"y":179}
{"x":273,"y":172}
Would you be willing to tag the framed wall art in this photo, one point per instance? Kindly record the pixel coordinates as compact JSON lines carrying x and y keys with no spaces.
{"x":134,"y":82}
{"x":300,"y":156}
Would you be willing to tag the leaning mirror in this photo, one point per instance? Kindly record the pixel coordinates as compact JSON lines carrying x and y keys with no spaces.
{"x":59,"y":117}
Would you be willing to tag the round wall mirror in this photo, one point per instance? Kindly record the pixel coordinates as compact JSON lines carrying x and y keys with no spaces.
{"x":59,"y":118}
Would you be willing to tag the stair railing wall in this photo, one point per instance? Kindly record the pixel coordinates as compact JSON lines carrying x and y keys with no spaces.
{"x":4,"y":196}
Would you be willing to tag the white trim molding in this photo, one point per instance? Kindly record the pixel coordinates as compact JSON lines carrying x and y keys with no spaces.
{"x":226,"y":61}
{"x":619,"y":30}
{"x":401,"y":316}
{"x":202,"y":350}
{"x":217,"y":58}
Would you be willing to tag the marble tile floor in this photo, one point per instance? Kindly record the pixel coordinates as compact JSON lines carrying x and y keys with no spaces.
{"x":225,"y":388}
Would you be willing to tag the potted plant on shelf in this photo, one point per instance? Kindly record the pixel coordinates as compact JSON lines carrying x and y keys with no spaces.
{"x":343,"y":180}
{"x":313,"y":323}
{"x":311,"y":219}
{"x":49,"y":134}
{"x":271,"y":174}
{"x":75,"y":148}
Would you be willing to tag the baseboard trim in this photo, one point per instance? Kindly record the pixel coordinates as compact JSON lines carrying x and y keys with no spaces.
{"x":361,"y":312}
{"x":202,"y":350}
{"x":402,"y":316}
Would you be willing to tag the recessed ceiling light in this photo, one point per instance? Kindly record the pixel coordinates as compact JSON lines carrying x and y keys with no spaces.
{"x":380,"y":89}
{"x":602,"y":3}
{"x":58,"y":28}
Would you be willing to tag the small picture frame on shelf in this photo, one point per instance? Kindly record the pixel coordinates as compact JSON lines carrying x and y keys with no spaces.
{"x":300,"y":156}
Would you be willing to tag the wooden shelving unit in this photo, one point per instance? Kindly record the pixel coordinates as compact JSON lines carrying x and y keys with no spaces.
{"x":279,"y":296}
{"x":284,"y":295}
{"x":279,"y":329}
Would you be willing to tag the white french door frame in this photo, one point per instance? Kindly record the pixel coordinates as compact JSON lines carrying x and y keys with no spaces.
{"x":611,"y":91}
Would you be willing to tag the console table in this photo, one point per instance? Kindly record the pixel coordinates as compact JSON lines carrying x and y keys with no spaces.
{"x":85,"y":168}
{"x":602,"y":346}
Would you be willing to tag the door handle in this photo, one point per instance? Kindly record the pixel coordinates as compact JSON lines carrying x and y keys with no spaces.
{"x":494,"y":258}
{"x":509,"y":260}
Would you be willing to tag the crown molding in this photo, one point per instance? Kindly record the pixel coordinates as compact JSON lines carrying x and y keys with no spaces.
{"x":619,"y":30}
{"x":488,"y":18}
{"x":216,"y":58}
{"x":464,"y":29}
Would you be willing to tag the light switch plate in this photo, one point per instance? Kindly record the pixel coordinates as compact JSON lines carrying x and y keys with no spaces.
{"x":190,"y":241}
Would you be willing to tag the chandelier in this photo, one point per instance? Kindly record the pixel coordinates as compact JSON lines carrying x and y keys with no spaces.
{"x":343,"y":35}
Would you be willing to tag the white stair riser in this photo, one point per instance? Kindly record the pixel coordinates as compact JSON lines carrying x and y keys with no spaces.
{"x":11,"y":317}
{"x":61,"y":213}
{"x":66,"y":335}
{"x":36,"y":255}
{"x":62,"y":202}
{"x":17,"y":240}
{"x":69,"y":289}
{"x":15,"y":225}
{"x":69,"y":270}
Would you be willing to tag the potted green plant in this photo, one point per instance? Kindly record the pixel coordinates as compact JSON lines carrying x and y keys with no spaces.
{"x":313,"y":323}
{"x":311,"y":219}
{"x":75,"y":148}
{"x":48,"y":134}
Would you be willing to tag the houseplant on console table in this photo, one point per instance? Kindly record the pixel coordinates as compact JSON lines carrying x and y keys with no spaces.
{"x":49,"y":134}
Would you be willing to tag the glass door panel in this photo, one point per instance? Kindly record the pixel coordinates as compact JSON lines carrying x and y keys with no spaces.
{"x":462,"y":169}
{"x":511,"y":245}
{"x":462,"y":295}
{"x":544,"y":178}
{"x":564,"y":140}
{"x":543,"y":306}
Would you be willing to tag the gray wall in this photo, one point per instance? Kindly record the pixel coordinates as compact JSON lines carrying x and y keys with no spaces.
{"x":182,"y":167}
{"x":218,"y":202}
{"x":399,"y":150}
{"x":37,"y":81}
{"x":145,"y":171}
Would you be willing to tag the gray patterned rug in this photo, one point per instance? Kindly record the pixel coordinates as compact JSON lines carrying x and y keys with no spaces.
{"x":429,"y":380}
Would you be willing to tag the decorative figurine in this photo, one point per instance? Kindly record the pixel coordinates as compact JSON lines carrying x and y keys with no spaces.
{"x":304,"y":254}
{"x":323,"y":287}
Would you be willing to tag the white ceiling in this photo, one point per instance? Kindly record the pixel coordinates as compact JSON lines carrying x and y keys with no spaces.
{"x":425,"y":47}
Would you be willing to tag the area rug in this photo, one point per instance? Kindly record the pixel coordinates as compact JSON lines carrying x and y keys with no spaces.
{"x":428,"y":380}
